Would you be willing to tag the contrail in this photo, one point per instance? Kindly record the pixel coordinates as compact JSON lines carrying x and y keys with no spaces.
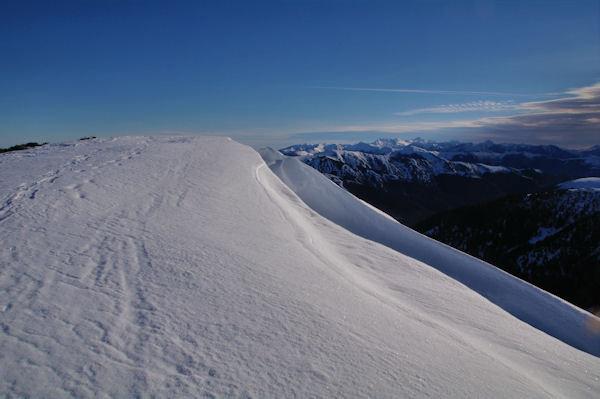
{"x":487,"y":93}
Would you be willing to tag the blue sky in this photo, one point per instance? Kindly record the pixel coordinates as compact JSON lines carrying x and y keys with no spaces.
{"x":282,"y":72}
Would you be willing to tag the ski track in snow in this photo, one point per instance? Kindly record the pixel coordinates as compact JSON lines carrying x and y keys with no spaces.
{"x":183,"y":267}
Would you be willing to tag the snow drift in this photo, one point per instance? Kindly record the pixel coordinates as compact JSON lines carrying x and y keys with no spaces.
{"x":179,"y":267}
{"x":530,"y":304}
{"x":585,"y":183}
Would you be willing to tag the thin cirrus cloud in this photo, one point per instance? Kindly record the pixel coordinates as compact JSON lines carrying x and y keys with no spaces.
{"x":572,"y":120}
{"x":473,"y":106}
{"x":422,"y":91}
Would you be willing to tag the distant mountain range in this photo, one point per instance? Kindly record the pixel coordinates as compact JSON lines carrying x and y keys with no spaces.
{"x":413,"y":180}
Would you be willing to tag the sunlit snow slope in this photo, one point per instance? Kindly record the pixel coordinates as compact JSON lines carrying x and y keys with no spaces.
{"x":530,"y":304}
{"x":184,"y":267}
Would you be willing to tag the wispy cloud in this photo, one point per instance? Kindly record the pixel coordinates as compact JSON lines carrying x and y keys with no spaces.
{"x":422,"y":91}
{"x":582,"y":101}
{"x":482,"y":105}
{"x":573,"y":120}
{"x":395,"y":128}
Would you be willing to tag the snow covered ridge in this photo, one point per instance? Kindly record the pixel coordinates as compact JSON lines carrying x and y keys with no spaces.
{"x":420,"y":161}
{"x":184,"y":267}
{"x":485,"y":150}
{"x":585,"y":183}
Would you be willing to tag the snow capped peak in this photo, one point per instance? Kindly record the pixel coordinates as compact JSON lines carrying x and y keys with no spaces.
{"x":585,"y":183}
{"x":487,"y":148}
{"x":417,"y":160}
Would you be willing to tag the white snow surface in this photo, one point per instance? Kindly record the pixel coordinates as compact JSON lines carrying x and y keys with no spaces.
{"x":585,"y":183}
{"x":184,"y":267}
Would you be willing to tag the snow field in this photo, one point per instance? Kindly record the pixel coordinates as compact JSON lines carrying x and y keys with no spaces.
{"x":184,"y":267}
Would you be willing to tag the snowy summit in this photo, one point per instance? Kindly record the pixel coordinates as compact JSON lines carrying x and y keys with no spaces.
{"x":585,"y":184}
{"x":191,"y":267}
